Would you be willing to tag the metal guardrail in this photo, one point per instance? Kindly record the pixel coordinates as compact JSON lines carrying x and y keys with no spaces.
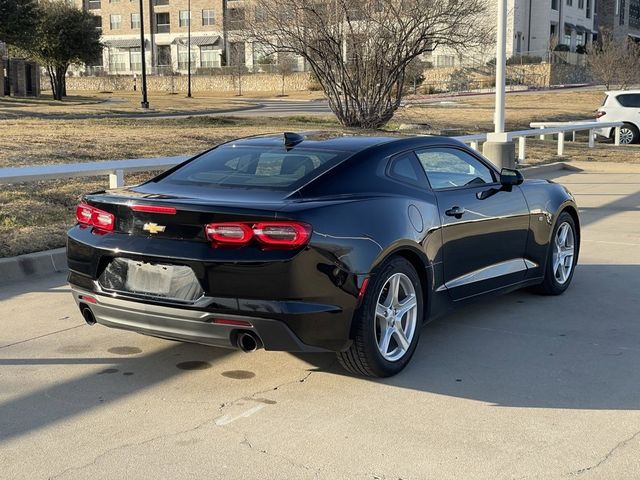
{"x":116,"y":169}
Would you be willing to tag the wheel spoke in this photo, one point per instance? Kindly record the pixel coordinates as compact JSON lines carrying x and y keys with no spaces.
{"x":381,"y":311}
{"x":408,"y":304}
{"x":387,"y":332}
{"x":403,"y":342}
{"x":562,"y":235}
{"x":394,"y":289}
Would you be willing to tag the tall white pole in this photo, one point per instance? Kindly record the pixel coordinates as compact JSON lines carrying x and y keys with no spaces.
{"x":501,"y":66}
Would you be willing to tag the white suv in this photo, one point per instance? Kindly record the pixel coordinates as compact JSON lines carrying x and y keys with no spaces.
{"x":621,"y":106}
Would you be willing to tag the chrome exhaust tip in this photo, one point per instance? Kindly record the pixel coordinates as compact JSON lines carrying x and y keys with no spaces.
{"x":87,"y":314}
{"x":248,"y":342}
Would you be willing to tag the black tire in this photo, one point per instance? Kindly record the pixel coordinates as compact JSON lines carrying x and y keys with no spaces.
{"x":364,"y":357}
{"x":550,"y":285}
{"x":632,"y":130}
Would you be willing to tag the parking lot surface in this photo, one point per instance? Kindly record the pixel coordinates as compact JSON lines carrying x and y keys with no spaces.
{"x":522,"y":386}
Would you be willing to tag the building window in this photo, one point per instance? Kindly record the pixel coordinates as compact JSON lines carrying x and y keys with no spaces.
{"x":98,"y":22}
{"x":622,"y":11}
{"x":114,"y":1}
{"x":237,"y":53}
{"x":183,"y":57}
{"x":553,"y":30}
{"x":164,"y":55}
{"x":209,"y":57}
{"x":445,"y":60}
{"x":588,"y":8}
{"x":554,"y":4}
{"x":569,"y":3}
{"x":580,"y":39}
{"x":118,"y":59}
{"x":115,"y":22}
{"x":163,"y":22}
{"x":208,"y":17}
{"x":567,"y":37}
{"x":93,"y":4}
{"x":634,"y":14}
{"x":160,"y":2}
{"x":581,"y":4}
{"x":135,"y":59}
{"x":184,"y":18}
{"x":236,"y":18}
{"x":135,"y":20}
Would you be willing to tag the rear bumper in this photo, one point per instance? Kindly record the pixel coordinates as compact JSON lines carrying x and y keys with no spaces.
{"x":309,"y":296}
{"x":194,"y":326}
{"x":604,"y":132}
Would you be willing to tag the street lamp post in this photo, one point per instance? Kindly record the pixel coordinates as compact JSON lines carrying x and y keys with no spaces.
{"x":501,"y":67}
{"x":189,"y":51}
{"x":498,"y":148}
{"x":145,"y":101}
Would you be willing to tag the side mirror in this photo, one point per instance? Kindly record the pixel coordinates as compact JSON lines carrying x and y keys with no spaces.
{"x":509,"y":176}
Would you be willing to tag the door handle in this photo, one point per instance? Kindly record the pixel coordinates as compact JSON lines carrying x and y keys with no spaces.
{"x":455,"y":212}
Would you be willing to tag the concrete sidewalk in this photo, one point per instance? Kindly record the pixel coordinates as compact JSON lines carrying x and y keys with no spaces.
{"x":522,"y":386}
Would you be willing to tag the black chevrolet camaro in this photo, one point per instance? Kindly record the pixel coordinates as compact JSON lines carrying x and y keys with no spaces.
{"x":318,"y":242}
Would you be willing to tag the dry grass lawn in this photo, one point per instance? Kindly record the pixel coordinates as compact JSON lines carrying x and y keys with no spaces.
{"x":35,"y":217}
{"x":475,"y":113}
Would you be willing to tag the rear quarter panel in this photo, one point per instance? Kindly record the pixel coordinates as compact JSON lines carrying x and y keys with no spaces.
{"x":546,"y":200}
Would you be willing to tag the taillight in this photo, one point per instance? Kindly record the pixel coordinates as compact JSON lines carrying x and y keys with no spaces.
{"x":280,"y":234}
{"x":229,"y":233}
{"x":283,"y":234}
{"x":88,"y":215}
{"x":600,"y":114}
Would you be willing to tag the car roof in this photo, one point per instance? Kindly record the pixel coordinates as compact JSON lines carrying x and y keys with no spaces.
{"x":618,"y":92}
{"x":346,"y":142}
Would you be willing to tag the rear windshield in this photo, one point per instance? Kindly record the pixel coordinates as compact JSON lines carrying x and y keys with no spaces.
{"x":255,"y":167}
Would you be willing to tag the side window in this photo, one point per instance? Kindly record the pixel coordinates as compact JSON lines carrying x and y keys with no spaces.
{"x":449,"y":167}
{"x":629,"y":100}
{"x":403,"y":167}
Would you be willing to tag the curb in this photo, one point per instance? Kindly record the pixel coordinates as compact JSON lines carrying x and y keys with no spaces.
{"x":548,"y":168}
{"x":24,"y":267}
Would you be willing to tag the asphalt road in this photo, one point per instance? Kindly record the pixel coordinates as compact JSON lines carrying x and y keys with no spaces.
{"x":519,"y":387}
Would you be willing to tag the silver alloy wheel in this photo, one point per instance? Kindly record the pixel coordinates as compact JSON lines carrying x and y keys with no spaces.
{"x":396,"y":317}
{"x":626,"y":135}
{"x":563,"y":252}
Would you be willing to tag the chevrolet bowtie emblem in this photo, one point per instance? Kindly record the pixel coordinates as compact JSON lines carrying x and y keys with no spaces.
{"x":153,"y":228}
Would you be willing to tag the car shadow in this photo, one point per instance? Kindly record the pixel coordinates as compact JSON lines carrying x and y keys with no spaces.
{"x":98,"y":389}
{"x":580,"y":350}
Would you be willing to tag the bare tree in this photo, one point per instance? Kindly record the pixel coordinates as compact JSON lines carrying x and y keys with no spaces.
{"x":614,"y":61}
{"x":285,"y":66}
{"x":360,"y":49}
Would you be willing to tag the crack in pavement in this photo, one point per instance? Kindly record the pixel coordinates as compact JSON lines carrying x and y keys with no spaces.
{"x":245,"y":440}
{"x":40,"y":336}
{"x":604,"y":459}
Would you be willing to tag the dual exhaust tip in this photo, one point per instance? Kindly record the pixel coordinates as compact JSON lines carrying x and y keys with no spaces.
{"x":246,"y":341}
{"x":87,"y":314}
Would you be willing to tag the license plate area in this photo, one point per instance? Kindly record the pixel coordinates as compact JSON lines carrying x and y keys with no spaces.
{"x":153,"y":280}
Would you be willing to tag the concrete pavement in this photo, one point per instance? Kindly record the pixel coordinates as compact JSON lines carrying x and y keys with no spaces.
{"x":518,"y":387}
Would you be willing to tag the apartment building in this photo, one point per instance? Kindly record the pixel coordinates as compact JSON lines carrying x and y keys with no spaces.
{"x":532,"y":26}
{"x":165,"y":28}
{"x":215,"y":28}
{"x":620,"y":17}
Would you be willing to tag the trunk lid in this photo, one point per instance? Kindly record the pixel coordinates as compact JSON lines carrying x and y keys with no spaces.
{"x":176,"y":212}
